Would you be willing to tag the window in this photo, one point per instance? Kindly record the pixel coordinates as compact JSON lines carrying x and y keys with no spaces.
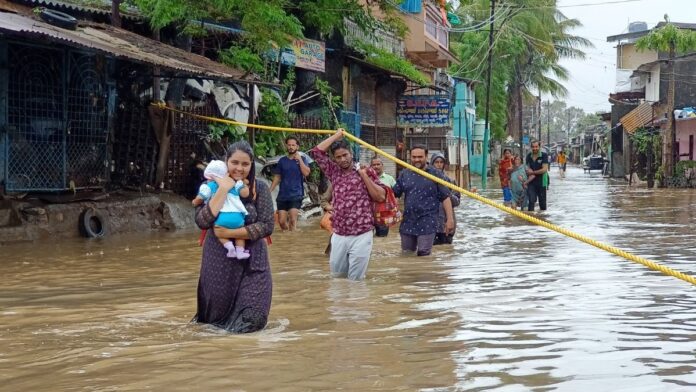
{"x":434,"y":27}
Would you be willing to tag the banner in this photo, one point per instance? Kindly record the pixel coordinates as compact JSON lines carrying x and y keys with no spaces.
{"x":425,"y":111}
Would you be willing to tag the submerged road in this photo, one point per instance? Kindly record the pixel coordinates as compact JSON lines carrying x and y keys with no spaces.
{"x":510,"y":307}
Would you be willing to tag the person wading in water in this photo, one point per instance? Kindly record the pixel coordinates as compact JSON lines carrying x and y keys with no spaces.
{"x":537,"y":165}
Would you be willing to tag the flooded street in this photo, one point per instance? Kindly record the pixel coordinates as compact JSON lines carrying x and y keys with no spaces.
{"x":509,"y":307}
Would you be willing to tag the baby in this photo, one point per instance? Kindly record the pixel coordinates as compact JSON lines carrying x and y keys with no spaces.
{"x":232,"y":214}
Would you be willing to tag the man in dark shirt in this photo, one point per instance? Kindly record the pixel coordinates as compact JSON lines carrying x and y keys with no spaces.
{"x":537,"y":164}
{"x":422,"y":201}
{"x":290,"y":172}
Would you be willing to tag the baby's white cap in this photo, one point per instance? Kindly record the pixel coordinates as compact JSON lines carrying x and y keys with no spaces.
{"x":215,"y":169}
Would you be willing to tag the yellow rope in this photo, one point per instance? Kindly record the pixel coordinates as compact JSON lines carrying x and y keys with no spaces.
{"x":611,"y":249}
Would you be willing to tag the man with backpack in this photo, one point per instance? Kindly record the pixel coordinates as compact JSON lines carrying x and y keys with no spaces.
{"x":355,"y":190}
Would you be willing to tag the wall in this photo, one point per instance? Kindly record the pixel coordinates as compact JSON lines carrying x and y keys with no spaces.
{"x":629,"y":58}
{"x":685,"y":94}
{"x":620,"y":156}
{"x":415,"y":37}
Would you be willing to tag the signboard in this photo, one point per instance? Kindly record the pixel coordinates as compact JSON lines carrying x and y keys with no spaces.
{"x":428,"y":111}
{"x":305,"y":54}
{"x":309,"y":54}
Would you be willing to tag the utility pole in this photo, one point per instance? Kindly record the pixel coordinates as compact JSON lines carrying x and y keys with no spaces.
{"x":548,"y":122}
{"x":486,"y":131}
{"x":539,"y":117}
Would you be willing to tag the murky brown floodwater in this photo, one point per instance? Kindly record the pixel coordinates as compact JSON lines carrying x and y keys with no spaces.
{"x":510,"y":307}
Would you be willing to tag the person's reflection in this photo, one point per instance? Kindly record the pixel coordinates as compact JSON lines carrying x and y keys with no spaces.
{"x":349,"y":301}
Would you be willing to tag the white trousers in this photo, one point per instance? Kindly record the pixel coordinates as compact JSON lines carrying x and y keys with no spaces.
{"x":350,"y":255}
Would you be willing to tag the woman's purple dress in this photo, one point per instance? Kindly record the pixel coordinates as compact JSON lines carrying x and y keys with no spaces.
{"x":236,"y":294}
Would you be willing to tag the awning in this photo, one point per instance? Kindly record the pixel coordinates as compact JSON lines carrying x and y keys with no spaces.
{"x":120,"y":43}
{"x":637,"y":117}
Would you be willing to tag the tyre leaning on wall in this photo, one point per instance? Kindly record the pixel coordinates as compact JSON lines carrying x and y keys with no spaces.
{"x":92,"y":224}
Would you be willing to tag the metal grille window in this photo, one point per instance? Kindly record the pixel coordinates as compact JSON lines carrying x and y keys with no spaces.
{"x":56,"y":120}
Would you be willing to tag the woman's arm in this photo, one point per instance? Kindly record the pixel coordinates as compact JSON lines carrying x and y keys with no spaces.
{"x":206,"y":214}
{"x":263,"y":227}
{"x":218,"y":199}
{"x":205,"y":219}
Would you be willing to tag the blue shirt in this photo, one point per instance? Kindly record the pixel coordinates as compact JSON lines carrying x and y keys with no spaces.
{"x":422,"y":199}
{"x":291,"y":179}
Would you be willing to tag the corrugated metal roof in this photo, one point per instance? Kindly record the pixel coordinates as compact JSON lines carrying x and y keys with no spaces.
{"x":94,"y":6}
{"x":637,"y":117}
{"x":120,"y":43}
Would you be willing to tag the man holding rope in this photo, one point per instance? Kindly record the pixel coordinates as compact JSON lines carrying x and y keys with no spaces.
{"x":354,"y":191}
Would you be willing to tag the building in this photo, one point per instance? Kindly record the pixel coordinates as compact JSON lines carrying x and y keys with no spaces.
{"x":427,"y":46}
{"x":62,"y":94}
{"x":640,"y":95}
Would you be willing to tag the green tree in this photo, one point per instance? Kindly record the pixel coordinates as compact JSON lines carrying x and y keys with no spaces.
{"x":672,"y":40}
{"x":267,"y":24}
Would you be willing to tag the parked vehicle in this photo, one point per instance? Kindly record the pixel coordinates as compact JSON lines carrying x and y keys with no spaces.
{"x":593,"y":162}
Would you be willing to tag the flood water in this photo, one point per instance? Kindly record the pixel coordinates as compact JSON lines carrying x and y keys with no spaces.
{"x":508,"y":307}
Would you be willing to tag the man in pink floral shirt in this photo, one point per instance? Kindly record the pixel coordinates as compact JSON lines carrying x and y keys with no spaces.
{"x":354,"y":191}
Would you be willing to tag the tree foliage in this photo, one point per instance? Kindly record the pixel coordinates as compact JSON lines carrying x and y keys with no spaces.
{"x":668,"y":37}
{"x":567,"y":122}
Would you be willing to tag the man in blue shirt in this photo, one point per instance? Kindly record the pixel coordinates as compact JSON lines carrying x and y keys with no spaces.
{"x":422,"y":200}
{"x":290,"y":173}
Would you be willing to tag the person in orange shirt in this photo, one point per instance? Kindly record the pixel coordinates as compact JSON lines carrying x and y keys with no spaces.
{"x":562,"y":159}
{"x":504,"y":169}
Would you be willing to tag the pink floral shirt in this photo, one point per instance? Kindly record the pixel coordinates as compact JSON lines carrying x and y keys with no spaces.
{"x":353,"y":211}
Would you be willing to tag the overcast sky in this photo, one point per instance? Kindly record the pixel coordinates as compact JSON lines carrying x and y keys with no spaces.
{"x":593,"y":79}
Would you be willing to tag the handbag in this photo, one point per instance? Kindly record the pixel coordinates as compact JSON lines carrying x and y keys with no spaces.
{"x":387,"y":212}
{"x":325,"y":222}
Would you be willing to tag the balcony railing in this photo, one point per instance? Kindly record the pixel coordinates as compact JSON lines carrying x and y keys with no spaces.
{"x":378,"y":38}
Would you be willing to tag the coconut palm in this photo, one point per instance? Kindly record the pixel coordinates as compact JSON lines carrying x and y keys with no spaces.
{"x":533,"y":36}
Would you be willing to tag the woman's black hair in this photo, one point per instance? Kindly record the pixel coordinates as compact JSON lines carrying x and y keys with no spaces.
{"x":245,"y":147}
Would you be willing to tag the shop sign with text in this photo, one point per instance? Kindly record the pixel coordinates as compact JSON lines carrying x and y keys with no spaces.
{"x":428,"y":111}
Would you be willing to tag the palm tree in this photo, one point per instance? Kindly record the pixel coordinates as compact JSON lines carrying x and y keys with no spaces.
{"x":546,"y":41}
{"x":671,"y":39}
{"x":532,"y":37}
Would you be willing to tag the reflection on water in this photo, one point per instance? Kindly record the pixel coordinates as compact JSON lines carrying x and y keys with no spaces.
{"x":508,"y":307}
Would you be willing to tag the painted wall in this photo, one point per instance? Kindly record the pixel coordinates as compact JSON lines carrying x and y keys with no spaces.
{"x":630,"y":58}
